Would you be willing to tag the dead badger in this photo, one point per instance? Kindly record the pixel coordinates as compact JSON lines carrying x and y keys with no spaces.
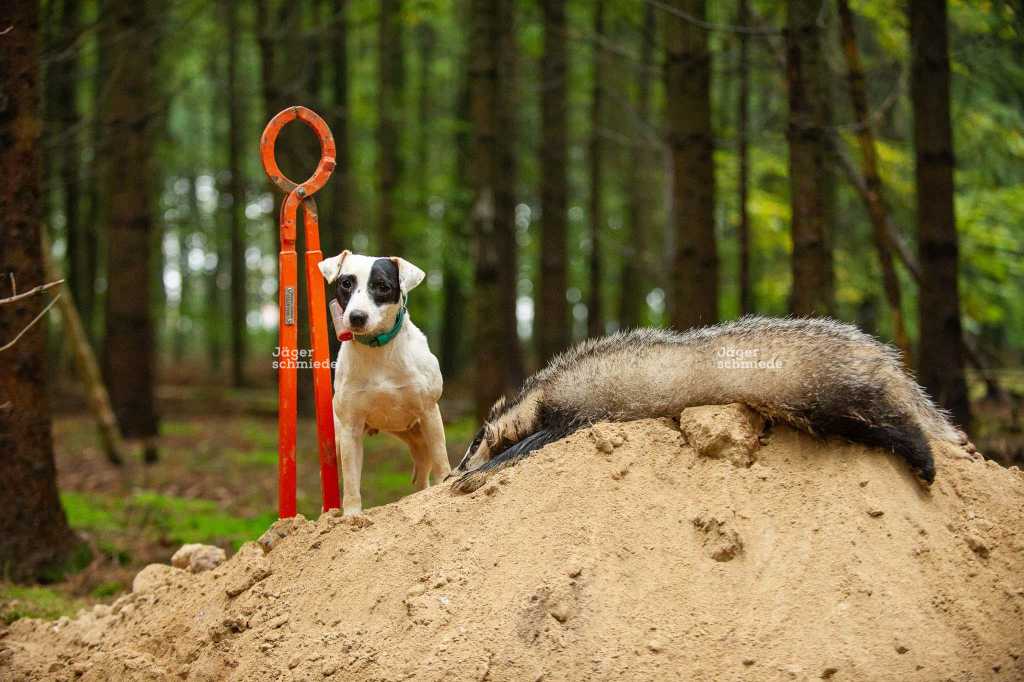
{"x":818,"y":375}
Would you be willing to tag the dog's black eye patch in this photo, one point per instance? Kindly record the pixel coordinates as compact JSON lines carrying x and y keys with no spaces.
{"x":383,"y":284}
{"x":346,"y":286}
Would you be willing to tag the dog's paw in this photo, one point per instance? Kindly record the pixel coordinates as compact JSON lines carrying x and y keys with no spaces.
{"x":356,"y":519}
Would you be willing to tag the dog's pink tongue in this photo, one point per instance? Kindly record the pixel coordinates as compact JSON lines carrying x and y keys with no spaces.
{"x":338,"y":320}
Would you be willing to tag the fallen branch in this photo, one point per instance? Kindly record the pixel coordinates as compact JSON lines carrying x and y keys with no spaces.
{"x":88,"y":370}
{"x":860,"y":185}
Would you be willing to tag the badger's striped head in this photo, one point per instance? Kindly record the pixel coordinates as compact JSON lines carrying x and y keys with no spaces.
{"x":476,"y":453}
{"x":508,"y":422}
{"x":479,"y":450}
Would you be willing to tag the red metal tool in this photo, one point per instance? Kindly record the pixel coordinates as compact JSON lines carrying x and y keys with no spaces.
{"x":302,"y":194}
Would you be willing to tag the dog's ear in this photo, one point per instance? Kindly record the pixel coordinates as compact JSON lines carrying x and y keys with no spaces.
{"x":331,"y":267}
{"x":409,"y":276}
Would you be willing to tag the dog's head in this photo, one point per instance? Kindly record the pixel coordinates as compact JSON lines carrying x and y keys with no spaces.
{"x":370,"y":290}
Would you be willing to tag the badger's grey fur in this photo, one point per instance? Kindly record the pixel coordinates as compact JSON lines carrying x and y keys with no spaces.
{"x":818,"y":375}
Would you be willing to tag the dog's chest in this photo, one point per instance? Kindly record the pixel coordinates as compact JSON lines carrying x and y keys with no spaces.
{"x":388,"y":406}
{"x":387,"y":396}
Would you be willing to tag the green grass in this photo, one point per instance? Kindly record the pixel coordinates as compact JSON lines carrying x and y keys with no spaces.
{"x":176,"y":520}
{"x":18,"y":601}
{"x":108,"y":588}
{"x":260,"y":433}
{"x":261,"y":458}
{"x":170,"y":427}
{"x":461,"y":430}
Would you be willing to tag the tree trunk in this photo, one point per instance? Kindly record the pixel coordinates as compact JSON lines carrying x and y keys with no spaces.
{"x":693,"y":299}
{"x":595,"y":314}
{"x":877,"y":209}
{"x":339,"y":220}
{"x":426,"y":42}
{"x":236,"y":189}
{"x":941,"y":354}
{"x":93,"y":229}
{"x":488,"y":66}
{"x":505,"y":195}
{"x":66,"y":109}
{"x":635,"y":257}
{"x":743,"y":155}
{"x":390,"y":83}
{"x":180,"y":336}
{"x":343,"y":217}
{"x":813,"y":285}
{"x":35,"y":540}
{"x":265,"y":21}
{"x":212,"y":313}
{"x":130,"y":117}
{"x":455,"y":251}
{"x":287,"y":78}
{"x":425,"y":39}
{"x":551,"y":321}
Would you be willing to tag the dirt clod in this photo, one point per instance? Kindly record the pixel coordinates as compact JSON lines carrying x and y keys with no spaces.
{"x":279,"y":530}
{"x":720,"y":543}
{"x":730,"y":432}
{"x":198,"y":558}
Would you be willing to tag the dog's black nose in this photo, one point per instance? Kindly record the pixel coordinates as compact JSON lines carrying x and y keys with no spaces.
{"x":357,"y":319}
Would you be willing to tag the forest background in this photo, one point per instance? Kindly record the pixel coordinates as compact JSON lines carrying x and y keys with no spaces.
{"x":559,"y":168}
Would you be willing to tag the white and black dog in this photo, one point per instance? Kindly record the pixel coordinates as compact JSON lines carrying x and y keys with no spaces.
{"x":386,"y":378}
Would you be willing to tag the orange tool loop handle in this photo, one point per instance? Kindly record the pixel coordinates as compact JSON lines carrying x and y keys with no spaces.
{"x":301,"y":194}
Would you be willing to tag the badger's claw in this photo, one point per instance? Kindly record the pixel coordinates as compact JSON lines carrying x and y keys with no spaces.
{"x":965,"y":442}
{"x":470,"y":481}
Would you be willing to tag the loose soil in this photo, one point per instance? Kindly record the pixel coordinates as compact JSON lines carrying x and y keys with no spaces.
{"x":620,"y":553}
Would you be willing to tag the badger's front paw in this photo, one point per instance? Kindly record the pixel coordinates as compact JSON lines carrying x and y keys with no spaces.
{"x":470,"y":481}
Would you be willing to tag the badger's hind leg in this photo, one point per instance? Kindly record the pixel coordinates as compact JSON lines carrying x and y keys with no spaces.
{"x":900,"y":435}
{"x":472,"y":480}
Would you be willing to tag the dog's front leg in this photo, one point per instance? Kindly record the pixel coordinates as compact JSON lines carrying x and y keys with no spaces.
{"x":433,"y":435}
{"x":350,"y":449}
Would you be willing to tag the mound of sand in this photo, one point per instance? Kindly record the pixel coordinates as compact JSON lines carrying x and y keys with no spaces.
{"x":620,"y":553}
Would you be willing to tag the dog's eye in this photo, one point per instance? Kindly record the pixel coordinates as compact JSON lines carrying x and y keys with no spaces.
{"x":346,"y":284}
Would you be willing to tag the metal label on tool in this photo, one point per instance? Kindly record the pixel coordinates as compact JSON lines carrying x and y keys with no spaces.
{"x":289,"y":305}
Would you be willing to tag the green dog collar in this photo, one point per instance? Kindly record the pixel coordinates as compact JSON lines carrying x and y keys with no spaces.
{"x":378,"y":340}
